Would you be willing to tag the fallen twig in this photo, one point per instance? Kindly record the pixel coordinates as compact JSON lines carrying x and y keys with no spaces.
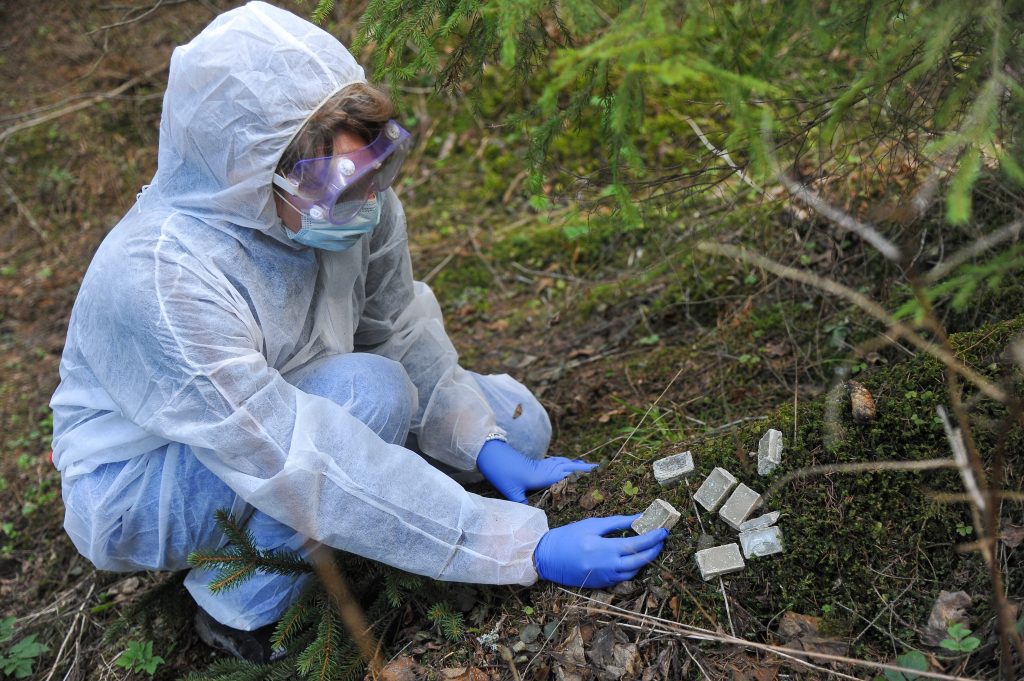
{"x":92,"y":101}
{"x":859,"y":467}
{"x":22,"y":208}
{"x":956,"y":443}
{"x":688,"y":631}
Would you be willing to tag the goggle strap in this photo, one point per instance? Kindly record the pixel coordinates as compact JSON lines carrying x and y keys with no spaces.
{"x":285,"y":184}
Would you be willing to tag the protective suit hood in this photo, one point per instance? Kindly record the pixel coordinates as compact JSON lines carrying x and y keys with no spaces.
{"x":236,"y":96}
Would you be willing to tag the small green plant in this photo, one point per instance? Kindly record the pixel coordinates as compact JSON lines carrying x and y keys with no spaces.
{"x":912,"y":659}
{"x":17,"y":660}
{"x":448,"y":622}
{"x":528,"y":610}
{"x":960,"y":639}
{"x":629,"y":489}
{"x":964,"y":530}
{"x":139,"y":657}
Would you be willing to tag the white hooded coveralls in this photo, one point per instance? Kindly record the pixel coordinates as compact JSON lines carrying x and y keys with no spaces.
{"x":196,"y":303}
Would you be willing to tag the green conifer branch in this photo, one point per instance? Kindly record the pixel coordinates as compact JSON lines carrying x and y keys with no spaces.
{"x":295,"y":619}
{"x":231,"y":578}
{"x":236,"y":535}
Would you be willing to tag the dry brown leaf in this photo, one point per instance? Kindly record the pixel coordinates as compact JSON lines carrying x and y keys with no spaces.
{"x":403,"y":668}
{"x":571,"y":663}
{"x":779,"y":349}
{"x":1012,"y":535}
{"x":802,"y":632}
{"x":949,"y":607}
{"x":607,"y":416}
{"x":464,"y":674}
{"x":591,"y":498}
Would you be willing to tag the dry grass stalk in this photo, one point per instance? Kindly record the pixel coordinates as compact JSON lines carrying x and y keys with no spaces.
{"x":349,"y":610}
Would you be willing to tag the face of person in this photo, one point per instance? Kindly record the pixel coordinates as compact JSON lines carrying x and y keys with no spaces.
{"x":344,"y":142}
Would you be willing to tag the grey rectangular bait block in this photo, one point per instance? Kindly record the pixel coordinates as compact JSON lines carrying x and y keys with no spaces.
{"x":739,"y":506}
{"x":762,"y":542}
{"x":672,"y":469}
{"x":715,"y":489}
{"x":766,"y":520}
{"x":721,"y":560}
{"x":659,"y":514}
{"x":769,"y":452}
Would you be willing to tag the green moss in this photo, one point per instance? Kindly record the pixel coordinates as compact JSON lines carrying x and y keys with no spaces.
{"x":858,"y":539}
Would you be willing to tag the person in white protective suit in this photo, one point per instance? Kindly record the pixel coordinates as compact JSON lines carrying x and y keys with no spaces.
{"x":250,"y":336}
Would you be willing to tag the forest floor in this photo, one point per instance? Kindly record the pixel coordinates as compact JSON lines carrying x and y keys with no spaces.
{"x":638,"y":345}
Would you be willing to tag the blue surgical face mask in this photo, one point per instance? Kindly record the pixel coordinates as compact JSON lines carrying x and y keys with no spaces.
{"x":322,"y":234}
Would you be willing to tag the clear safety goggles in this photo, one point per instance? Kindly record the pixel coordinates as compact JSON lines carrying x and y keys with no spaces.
{"x":335,"y":188}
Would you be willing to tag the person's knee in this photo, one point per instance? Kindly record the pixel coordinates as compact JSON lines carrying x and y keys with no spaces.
{"x":374,"y":389}
{"x":518,"y":413}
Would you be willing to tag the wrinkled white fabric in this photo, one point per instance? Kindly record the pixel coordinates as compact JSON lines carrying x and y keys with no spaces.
{"x":197,"y":302}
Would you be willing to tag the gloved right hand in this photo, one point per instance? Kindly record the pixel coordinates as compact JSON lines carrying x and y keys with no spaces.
{"x":579,"y":554}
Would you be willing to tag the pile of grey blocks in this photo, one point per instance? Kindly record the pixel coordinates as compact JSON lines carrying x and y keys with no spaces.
{"x":734,"y":502}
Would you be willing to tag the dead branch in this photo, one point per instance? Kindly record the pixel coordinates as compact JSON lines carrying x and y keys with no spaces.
{"x":842,"y":219}
{"x":722,"y":154}
{"x":22,"y":209}
{"x":72,"y":108}
{"x":982,"y":244}
{"x":140,"y":17}
{"x":688,"y":631}
{"x":859,"y":467}
{"x":951,"y":498}
{"x":896,"y":328}
{"x":956,"y":443}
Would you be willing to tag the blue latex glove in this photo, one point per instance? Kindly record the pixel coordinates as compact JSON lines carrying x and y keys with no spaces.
{"x":579,"y":555}
{"x":514,"y":474}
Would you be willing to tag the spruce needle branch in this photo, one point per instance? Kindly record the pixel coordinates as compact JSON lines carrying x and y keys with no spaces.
{"x":896,"y":328}
{"x":351,"y":614}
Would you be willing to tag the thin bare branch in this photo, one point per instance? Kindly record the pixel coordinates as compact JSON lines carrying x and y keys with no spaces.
{"x":92,"y":101}
{"x":721,"y":153}
{"x":956,"y":443}
{"x":859,"y":467}
{"x":665,"y":626}
{"x":23,"y":210}
{"x":841,"y":218}
{"x":896,"y":328}
{"x":979,"y":246}
{"x":952,"y":498}
{"x":139,"y":17}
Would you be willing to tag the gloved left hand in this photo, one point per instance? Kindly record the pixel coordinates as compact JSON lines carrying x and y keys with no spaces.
{"x":514,"y":474}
